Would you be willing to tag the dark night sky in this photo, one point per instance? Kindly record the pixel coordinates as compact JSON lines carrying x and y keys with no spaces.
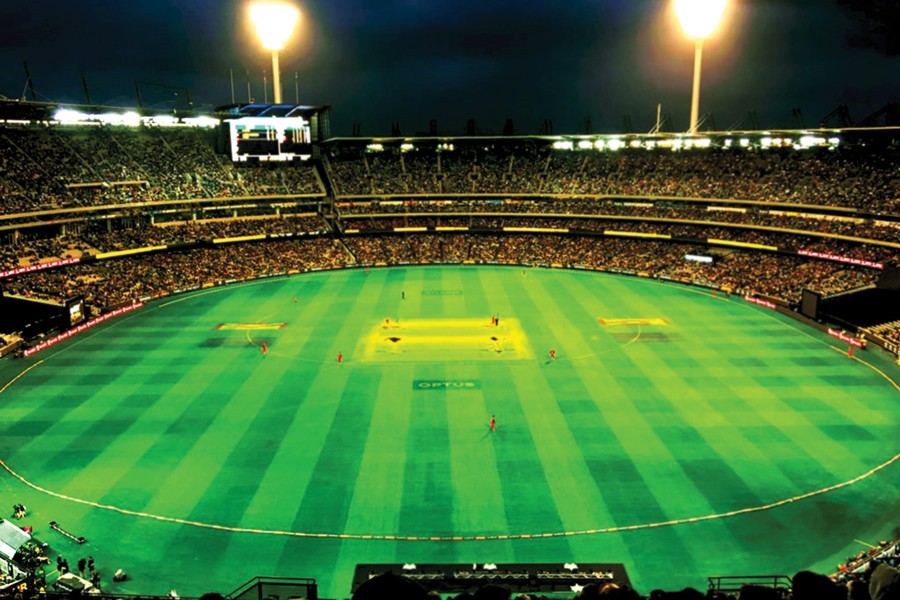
{"x":379,"y":61}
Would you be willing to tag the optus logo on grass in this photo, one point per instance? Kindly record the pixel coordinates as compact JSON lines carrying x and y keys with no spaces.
{"x":446,"y":384}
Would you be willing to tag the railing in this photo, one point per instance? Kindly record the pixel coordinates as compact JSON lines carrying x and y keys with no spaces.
{"x":734,"y":583}
{"x":259,"y":588}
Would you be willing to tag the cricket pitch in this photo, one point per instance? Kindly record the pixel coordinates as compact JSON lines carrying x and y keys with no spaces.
{"x":443,"y":340}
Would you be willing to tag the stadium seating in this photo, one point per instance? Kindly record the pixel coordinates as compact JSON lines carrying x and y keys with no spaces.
{"x":557,"y":192}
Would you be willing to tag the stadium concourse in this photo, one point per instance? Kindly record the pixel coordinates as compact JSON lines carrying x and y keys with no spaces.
{"x":119,"y":215}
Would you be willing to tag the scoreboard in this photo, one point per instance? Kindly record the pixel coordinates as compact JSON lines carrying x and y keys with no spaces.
{"x":269,"y":138}
{"x":75,"y":311}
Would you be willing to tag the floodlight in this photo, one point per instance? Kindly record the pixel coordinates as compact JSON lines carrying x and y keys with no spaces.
{"x":69,"y":115}
{"x":274,"y":23}
{"x":699,"y":18}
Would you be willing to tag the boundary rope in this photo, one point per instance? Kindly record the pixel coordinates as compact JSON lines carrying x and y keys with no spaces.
{"x":455,"y":538}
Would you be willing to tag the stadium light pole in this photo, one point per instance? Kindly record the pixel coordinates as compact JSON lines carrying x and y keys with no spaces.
{"x":698,"y":18}
{"x":274,"y":23}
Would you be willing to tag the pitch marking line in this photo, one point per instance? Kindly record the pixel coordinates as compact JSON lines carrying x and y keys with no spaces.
{"x":632,"y":321}
{"x":250,"y":326}
{"x":608,"y":350}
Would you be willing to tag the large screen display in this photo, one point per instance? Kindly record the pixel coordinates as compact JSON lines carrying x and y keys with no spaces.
{"x":270,"y":138}
{"x":809,"y":304}
{"x":76,"y":310}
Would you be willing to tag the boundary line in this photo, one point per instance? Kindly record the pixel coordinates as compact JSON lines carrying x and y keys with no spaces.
{"x":16,"y":378}
{"x":456,"y":538}
{"x":829,"y":345}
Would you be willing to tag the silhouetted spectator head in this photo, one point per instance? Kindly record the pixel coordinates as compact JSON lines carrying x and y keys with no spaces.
{"x":758,"y":592}
{"x":685,"y":594}
{"x":858,"y":589}
{"x":492,"y":592}
{"x":815,"y":586}
{"x":885,"y":583}
{"x":390,"y":585}
{"x":615,"y":591}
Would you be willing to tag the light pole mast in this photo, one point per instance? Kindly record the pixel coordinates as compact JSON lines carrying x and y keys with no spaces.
{"x":695,"y":91}
{"x":274,"y":22}
{"x":276,"y":77}
{"x":699,"y":19}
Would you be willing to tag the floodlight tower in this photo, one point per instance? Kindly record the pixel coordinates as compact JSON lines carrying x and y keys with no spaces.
{"x":274,"y":22}
{"x":699,"y":19}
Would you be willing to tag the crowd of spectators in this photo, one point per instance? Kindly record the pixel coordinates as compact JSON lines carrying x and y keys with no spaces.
{"x":50,"y":168}
{"x":114,"y":282}
{"x":755,"y":216}
{"x":781,"y":240}
{"x":771,"y":275}
{"x":91,"y":238}
{"x":890,"y":332}
{"x":853,"y":178}
{"x":111,"y":282}
{"x":61,"y":167}
{"x":466,"y":184}
{"x":472,"y":170}
{"x":88,"y":238}
{"x":192,"y":231}
{"x":54,"y":167}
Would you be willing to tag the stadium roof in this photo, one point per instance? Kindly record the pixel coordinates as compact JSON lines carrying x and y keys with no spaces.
{"x":14,"y":109}
{"x":258,"y":109}
{"x":24,"y":110}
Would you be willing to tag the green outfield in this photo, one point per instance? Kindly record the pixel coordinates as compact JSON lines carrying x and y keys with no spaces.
{"x":670,"y":433}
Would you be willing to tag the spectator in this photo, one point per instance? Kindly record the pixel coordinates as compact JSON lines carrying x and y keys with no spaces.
{"x":884,"y":583}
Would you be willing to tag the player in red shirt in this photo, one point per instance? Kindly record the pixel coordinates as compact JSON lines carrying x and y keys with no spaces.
{"x":552,"y":354}
{"x":493,"y":423}
{"x":340,"y":358}
{"x":265,"y":349}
